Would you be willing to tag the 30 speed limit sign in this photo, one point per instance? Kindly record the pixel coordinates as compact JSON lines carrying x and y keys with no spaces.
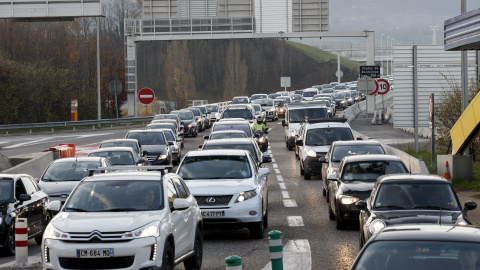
{"x":383,"y":87}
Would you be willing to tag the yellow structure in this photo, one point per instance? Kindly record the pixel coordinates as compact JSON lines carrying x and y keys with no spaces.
{"x":466,"y":127}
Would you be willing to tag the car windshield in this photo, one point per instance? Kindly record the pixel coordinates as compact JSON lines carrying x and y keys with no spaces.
{"x":243,"y":113}
{"x":338,"y":95}
{"x":184,"y":115}
{"x":354,"y":93}
{"x":244,"y":128}
{"x":202,"y":109}
{"x":257,"y":107}
{"x":342,"y":151}
{"x":239,"y":101}
{"x":165,"y":116}
{"x":347,"y":94}
{"x":169,"y":135}
{"x":160,"y":126}
{"x":297,"y":97}
{"x":309,"y":93}
{"x":69,"y":171}
{"x":273,"y":96}
{"x":371,"y":170}
{"x":326,"y":136}
{"x":116,"y":157}
{"x":196,"y":112}
{"x":130,"y":144}
{"x":416,"y":196}
{"x":327,"y":91}
{"x":298,"y":115}
{"x":148,"y":138}
{"x":6,"y":190}
{"x":417,"y":255}
{"x":279,"y":102}
{"x":215,"y":167}
{"x":212,"y":108}
{"x":258,"y":97}
{"x":116,"y":196}
{"x":243,"y":146}
{"x":267,"y":103}
{"x":228,"y":135}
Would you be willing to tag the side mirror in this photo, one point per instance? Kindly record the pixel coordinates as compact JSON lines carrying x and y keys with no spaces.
{"x":359,"y":139}
{"x":180,"y":204}
{"x":322,"y":160}
{"x":37,"y":180}
{"x":267,"y":158}
{"x":206,"y":137}
{"x":470,"y":205}
{"x":361,"y":204}
{"x":145,"y":152}
{"x":263,"y":171}
{"x":299,"y":142}
{"x":141,"y":161}
{"x":24,"y":197}
{"x":283,"y":123}
{"x":55,"y":206}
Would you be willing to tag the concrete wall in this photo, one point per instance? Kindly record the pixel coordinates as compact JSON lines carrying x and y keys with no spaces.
{"x":34,"y":166}
{"x":461,"y":167}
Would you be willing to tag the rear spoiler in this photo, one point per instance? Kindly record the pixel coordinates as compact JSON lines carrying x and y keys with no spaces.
{"x":162,"y":169}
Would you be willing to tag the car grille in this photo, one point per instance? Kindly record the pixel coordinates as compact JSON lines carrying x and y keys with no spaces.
{"x":152,"y":157}
{"x":219,"y":220}
{"x":219,"y":200}
{"x":97,"y":263}
{"x":321,"y":154}
{"x":97,"y":237}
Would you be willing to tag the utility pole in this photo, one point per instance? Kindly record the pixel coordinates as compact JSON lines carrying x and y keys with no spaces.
{"x":381,"y":53}
{"x":387,"y":55}
{"x":434,"y":37}
{"x":464,"y":71}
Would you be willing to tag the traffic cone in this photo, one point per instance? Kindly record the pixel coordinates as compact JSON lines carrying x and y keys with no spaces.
{"x":446,"y":173}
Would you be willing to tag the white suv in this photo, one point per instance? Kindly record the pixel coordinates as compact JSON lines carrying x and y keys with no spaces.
{"x":125,"y":220}
{"x":230,"y":187}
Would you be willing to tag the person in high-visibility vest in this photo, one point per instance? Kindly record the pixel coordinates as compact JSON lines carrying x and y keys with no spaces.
{"x":259,"y":125}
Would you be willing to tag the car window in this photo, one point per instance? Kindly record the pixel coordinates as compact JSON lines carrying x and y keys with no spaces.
{"x":212,"y":108}
{"x":298,"y":115}
{"x":227,"y":135}
{"x":169,"y":135}
{"x":69,"y":171}
{"x":19,"y":189}
{"x":29,"y":186}
{"x":115,"y":196}
{"x":244,"y":128}
{"x":172,"y":192}
{"x":116,"y":157}
{"x":181,"y":190}
{"x":371,"y":170}
{"x":184,"y":115}
{"x":326,"y":136}
{"x":6,"y":190}
{"x":148,"y":138}
{"x":215,"y":167}
{"x":248,"y":147}
{"x":245,"y":114}
{"x":132,"y":145}
{"x":342,"y":151}
{"x":195,"y":112}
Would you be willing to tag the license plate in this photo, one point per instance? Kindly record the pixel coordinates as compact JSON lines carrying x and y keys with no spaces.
{"x":213,"y":213}
{"x":95,"y":253}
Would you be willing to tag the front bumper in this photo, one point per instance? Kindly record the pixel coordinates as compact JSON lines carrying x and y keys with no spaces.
{"x":348,"y":211}
{"x":291,"y":141}
{"x":134,"y":254}
{"x":235,"y":215}
{"x":271,"y":115}
{"x":312,"y":165}
{"x":189,"y":131}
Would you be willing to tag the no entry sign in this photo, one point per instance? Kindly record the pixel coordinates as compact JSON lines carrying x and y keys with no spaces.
{"x":146,"y":96}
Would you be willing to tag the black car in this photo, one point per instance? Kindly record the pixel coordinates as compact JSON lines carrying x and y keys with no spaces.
{"x":243,"y":144}
{"x":21,"y":197}
{"x":156,"y":143}
{"x":419,"y":247}
{"x":63,"y":174}
{"x":198,"y":117}
{"x":354,"y":181}
{"x":190,"y":125}
{"x":405,"y":198}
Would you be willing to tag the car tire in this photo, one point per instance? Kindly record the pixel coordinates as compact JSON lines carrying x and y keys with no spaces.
{"x":324,"y":193}
{"x":167,"y":258}
{"x":307,"y":176}
{"x":331,"y":215}
{"x":256,"y":230}
{"x":47,"y":218}
{"x":362,"y":240}
{"x":265,"y":219}
{"x":10,"y":243}
{"x":290,"y":148}
{"x":195,"y":134}
{"x":340,"y":224}
{"x":302,"y":172}
{"x":195,"y":261}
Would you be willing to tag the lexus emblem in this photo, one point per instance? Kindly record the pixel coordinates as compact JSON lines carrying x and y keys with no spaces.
{"x":211,"y":200}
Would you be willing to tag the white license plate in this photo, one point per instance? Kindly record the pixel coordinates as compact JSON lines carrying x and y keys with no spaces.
{"x":213,"y":213}
{"x":95,"y":253}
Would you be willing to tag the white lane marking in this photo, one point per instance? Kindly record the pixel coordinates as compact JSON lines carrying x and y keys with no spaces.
{"x":279,"y":177}
{"x":279,"y":123}
{"x":277,"y":171}
{"x":54,"y":138}
{"x":273,"y":160}
{"x":290,"y":203}
{"x":285,"y":194}
{"x":282,"y":186}
{"x":275,"y":166}
{"x":269,"y":151}
{"x":295,"y":221}
{"x":296,"y":255}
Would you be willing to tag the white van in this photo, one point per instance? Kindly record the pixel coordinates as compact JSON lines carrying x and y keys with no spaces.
{"x":309,"y":93}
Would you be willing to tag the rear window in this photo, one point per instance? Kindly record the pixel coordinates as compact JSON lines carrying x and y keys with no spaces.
{"x":247,"y":147}
{"x":215,"y":167}
{"x":116,"y":157}
{"x":342,"y":151}
{"x":244,"y":128}
{"x":148,"y":138}
{"x":245,"y":114}
{"x":309,"y":93}
{"x":298,"y":115}
{"x":326,"y":136}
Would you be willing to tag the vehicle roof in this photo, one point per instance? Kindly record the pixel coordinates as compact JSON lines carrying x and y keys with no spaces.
{"x":218,"y":152}
{"x":231,"y":141}
{"x":406,"y":178}
{"x":144,"y":130}
{"x":305,"y":104}
{"x":360,"y":142}
{"x":13,"y":175}
{"x":120,"y":140}
{"x":259,"y":95}
{"x":371,"y":157}
{"x":328,"y":125}
{"x":113,"y":149}
{"x":428,"y":232}
{"x":161,"y":124}
{"x":228,"y":131}
{"x":126,"y":175}
{"x":80,"y":159}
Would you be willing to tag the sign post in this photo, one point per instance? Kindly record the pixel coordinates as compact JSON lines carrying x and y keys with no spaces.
{"x":431,"y":114}
{"x":146,"y":96}
{"x":383,"y":86}
{"x":368,"y":85}
{"x":372,"y":72}
{"x":115,"y":88}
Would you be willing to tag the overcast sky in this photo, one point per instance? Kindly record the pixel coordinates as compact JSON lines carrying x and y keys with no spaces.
{"x":407,"y":21}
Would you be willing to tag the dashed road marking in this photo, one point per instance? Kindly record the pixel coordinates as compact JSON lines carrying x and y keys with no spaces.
{"x":290,"y":203}
{"x":277,"y":171}
{"x":295,"y":221}
{"x":273,"y":160}
{"x":296,"y":255}
{"x":285,"y":194}
{"x":275,"y":166}
{"x":282,"y":186}
{"x":279,"y":178}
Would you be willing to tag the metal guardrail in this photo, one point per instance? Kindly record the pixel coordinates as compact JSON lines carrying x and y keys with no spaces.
{"x":76,"y":123}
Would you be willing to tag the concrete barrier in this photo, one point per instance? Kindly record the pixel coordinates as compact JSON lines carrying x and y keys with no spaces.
{"x":34,"y":166}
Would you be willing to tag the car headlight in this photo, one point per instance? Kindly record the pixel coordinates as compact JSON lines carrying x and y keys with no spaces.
{"x":311,"y":153}
{"x":281,"y":110}
{"x":261,"y":140}
{"x":376,"y":226}
{"x":272,"y":110}
{"x":461,"y":222}
{"x":162,"y":156}
{"x":343,"y":101}
{"x":217,"y":115}
{"x":53,"y":233}
{"x":293,"y":132}
{"x":245,"y":195}
{"x":348,"y":199}
{"x":149,"y":230}
{"x":190,"y":125}
{"x":329,"y":111}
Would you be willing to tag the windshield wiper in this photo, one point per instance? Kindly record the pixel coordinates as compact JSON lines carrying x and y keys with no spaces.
{"x":117,"y":210}
{"x":431,"y":207}
{"x":392,"y":207}
{"x":76,"y":209}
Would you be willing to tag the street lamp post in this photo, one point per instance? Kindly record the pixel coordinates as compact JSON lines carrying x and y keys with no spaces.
{"x":391,"y":56}
{"x":388,"y":37}
{"x":434,"y":37}
{"x":381,"y":53}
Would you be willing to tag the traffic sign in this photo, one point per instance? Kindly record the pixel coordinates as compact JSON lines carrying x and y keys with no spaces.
{"x":115,"y":87}
{"x":341,"y":74}
{"x":371,"y":71}
{"x":364,"y":82}
{"x":285,"y":82}
{"x":382,"y":87}
{"x":146,"y":96}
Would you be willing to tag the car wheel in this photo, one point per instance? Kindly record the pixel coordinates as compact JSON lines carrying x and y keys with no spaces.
{"x":331,"y":215}
{"x":195,"y":262}
{"x":10,"y":244}
{"x":340,"y":224}
{"x":256,"y":230}
{"x":195,"y":134}
{"x":324,"y":193}
{"x":362,"y":240}
{"x":265,"y":219}
{"x":301,"y":169}
{"x":167,"y":258}
{"x":47,"y":218}
{"x":306,"y":176}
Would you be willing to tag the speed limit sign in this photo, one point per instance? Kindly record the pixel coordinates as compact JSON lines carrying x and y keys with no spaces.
{"x":383,"y":87}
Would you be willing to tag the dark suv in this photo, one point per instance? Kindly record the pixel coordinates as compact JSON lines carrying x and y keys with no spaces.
{"x":239,"y":111}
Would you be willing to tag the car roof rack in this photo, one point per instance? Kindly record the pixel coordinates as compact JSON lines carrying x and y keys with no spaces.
{"x":326,"y":120}
{"x":162,"y":169}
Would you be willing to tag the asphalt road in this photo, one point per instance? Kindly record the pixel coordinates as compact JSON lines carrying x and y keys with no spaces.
{"x":290,"y":198}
